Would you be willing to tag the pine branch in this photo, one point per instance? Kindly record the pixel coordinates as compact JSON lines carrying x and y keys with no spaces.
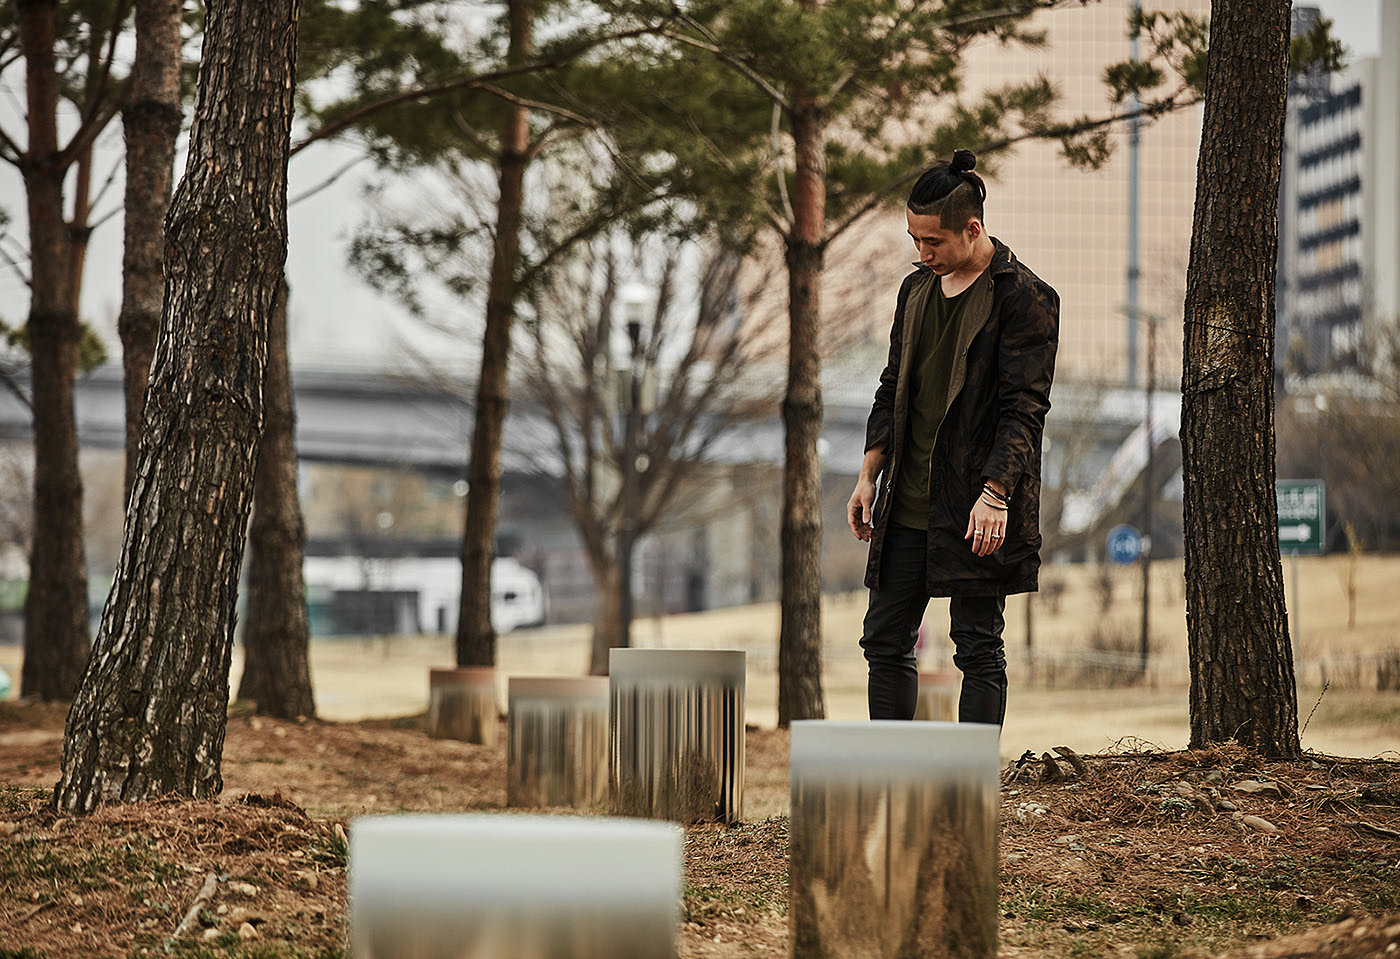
{"x":475,"y":82}
{"x":1184,"y":97}
{"x":719,"y":53}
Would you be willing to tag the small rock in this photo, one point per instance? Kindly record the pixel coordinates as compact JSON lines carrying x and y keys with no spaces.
{"x":1257,"y":787}
{"x":222,"y":910}
{"x":78,"y":901}
{"x":8,"y":828}
{"x":211,"y":934}
{"x":245,"y":889}
{"x":309,"y":879}
{"x":281,"y":860}
{"x":255,"y":724}
{"x":1226,"y":806}
{"x":1014,"y":857}
{"x":1066,"y":840}
{"x":279,"y":732}
{"x":1185,"y":789}
{"x":76,"y":927}
{"x":1259,"y":825}
{"x":247,"y":931}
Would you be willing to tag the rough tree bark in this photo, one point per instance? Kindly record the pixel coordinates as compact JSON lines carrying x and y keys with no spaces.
{"x":151,"y":123}
{"x":1242,"y":683}
{"x":476,"y":637}
{"x":800,"y":635}
{"x":151,"y":710}
{"x":55,"y":613}
{"x":277,"y":634}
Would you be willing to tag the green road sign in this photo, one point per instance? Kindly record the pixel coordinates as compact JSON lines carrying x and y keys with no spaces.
{"x":1302,"y":511}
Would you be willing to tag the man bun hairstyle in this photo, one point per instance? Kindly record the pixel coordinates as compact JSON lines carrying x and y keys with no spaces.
{"x":950,"y":191}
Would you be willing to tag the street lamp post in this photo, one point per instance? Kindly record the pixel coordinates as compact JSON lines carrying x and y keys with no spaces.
{"x":627,"y":529}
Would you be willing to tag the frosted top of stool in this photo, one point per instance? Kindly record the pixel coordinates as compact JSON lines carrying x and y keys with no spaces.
{"x":558,"y":687}
{"x":504,"y":858}
{"x":847,"y":749}
{"x":724,"y":665}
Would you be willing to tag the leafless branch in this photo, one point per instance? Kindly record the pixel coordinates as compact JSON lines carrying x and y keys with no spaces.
{"x":14,"y":386}
{"x":14,"y":263}
{"x":779,"y":169}
{"x":329,"y":181}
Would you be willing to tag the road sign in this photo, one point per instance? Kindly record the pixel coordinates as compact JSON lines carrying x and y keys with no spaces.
{"x":1302,"y":515}
{"x":1124,"y":545}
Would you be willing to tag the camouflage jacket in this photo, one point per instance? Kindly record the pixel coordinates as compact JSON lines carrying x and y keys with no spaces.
{"x":997,"y":401}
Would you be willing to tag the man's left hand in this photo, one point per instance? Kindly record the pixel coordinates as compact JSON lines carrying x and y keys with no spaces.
{"x":986,"y":527}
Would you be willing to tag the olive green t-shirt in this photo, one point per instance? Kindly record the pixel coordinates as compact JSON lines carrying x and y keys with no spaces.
{"x":928,"y":399}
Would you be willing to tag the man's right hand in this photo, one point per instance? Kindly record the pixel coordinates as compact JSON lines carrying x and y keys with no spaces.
{"x":859,"y":509}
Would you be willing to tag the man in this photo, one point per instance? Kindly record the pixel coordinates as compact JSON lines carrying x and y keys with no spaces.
{"x":954,"y":438}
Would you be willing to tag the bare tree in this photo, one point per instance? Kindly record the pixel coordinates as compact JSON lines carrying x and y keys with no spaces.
{"x":696,"y":357}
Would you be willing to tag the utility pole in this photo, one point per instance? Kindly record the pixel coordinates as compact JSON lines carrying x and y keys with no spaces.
{"x":1134,"y":138}
{"x":1149,"y":491}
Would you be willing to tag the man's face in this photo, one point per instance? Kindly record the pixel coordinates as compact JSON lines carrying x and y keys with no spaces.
{"x":943,"y":251}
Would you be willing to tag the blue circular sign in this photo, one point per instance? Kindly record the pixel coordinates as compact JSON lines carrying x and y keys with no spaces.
{"x":1124,"y":545}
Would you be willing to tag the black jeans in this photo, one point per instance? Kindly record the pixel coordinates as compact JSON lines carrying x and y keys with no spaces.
{"x":892,"y":629}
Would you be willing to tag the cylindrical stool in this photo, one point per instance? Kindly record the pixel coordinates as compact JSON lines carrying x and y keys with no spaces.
{"x":513,"y":887}
{"x":676,"y":740}
{"x":893,"y":840}
{"x":462,"y":705}
{"x":558,"y":742}
{"x":938,"y":697}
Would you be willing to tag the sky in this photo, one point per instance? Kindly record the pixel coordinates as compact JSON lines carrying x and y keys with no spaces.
{"x":335,"y":318}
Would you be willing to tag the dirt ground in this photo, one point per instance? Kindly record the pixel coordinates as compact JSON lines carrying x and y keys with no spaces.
{"x":1140,"y":855}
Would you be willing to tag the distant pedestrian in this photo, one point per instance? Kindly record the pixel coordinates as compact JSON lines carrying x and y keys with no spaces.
{"x":949,"y":490}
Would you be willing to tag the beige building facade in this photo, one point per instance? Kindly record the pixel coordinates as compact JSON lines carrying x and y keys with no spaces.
{"x":1071,"y":226}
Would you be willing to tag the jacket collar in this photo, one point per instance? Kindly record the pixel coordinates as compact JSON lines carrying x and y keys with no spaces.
{"x":1003,"y":261}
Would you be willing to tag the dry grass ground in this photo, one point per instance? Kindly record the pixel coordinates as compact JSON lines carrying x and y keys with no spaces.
{"x":1138,"y":858}
{"x":1126,"y":862}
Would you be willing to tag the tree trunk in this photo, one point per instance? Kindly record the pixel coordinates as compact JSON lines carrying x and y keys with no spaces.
{"x":55,"y":612}
{"x":800,"y":636}
{"x":1242,"y":683}
{"x":150,"y":714}
{"x":476,"y":638}
{"x":151,"y":123}
{"x":277,"y":636}
{"x":607,"y":618}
